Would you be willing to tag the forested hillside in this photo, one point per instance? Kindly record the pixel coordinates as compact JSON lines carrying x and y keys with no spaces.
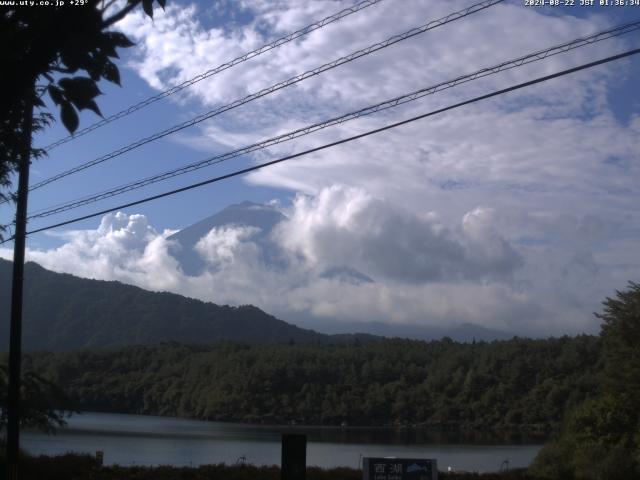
{"x":508,"y":384}
{"x":64,"y":312}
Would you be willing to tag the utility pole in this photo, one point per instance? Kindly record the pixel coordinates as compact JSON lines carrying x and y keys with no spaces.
{"x":15,"y":335}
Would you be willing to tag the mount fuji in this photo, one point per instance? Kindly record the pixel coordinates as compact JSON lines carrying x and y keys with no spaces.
{"x":265,"y":219}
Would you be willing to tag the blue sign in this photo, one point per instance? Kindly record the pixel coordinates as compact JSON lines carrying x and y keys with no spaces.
{"x":399,"y":469}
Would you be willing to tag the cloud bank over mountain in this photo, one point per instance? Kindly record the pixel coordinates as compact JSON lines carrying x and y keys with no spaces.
{"x":393,"y":266}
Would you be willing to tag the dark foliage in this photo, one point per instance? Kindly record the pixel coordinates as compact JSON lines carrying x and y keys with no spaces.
{"x":500,"y":385}
{"x":43,"y":405}
{"x":63,"y":312}
{"x":601,"y":437}
{"x":82,"y":467}
{"x":57,"y":51}
{"x":62,"y":467}
{"x":621,"y":336}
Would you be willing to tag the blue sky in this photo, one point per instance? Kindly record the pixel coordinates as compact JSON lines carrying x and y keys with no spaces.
{"x":538,"y":188}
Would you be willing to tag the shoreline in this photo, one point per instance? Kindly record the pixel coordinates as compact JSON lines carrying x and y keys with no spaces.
{"x":525,"y":430}
{"x":139,"y":440}
{"x":72,"y":465}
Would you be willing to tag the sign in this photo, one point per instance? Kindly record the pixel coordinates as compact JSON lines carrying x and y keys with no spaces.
{"x":399,"y":469}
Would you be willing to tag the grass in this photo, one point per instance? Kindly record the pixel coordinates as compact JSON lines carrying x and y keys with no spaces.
{"x":85,"y":467}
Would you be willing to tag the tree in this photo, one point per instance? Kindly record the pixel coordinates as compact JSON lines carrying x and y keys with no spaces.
{"x":39,"y":43}
{"x":601,"y":437}
{"x":44,"y":405}
{"x":62,"y":52}
{"x":621,"y":342}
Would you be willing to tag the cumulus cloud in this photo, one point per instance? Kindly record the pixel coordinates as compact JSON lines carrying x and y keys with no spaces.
{"x":346,"y":226}
{"x":223,"y":245}
{"x":123,"y":247}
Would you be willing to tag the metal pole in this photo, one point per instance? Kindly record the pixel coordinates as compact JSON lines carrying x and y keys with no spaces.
{"x":15,"y":336}
{"x":293,"y":465}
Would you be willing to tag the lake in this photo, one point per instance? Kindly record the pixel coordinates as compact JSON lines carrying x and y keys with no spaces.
{"x":149,"y":440}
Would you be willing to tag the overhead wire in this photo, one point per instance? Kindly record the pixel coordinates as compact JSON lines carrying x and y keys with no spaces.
{"x":506,"y":65}
{"x":213,"y":71}
{"x":342,"y":141}
{"x":278,"y":86}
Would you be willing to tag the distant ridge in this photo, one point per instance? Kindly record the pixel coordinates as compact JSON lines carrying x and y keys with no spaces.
{"x":464,"y":332}
{"x":64,"y":312}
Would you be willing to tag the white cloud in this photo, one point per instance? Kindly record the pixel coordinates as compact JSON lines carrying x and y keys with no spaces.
{"x":124,"y":247}
{"x":177,"y":46}
{"x":348,"y":227}
{"x":224,"y":245}
{"x":424,"y":272}
{"x":517,"y":212}
{"x":526,"y":150}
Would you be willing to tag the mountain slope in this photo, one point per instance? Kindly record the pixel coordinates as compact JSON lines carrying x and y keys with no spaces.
{"x":263,"y":218}
{"x":247,"y":214}
{"x":63,"y":312}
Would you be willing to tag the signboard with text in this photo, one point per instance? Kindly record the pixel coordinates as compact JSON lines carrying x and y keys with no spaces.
{"x":399,"y":469}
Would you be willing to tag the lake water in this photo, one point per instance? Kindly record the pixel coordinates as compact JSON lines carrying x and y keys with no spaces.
{"x":148,"y":440}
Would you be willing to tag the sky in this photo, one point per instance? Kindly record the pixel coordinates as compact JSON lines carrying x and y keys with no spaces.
{"x":516,"y":213}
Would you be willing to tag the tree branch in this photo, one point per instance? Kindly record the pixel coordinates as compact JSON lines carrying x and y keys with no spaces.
{"x":61,"y":70}
{"x":120,"y":15}
{"x":106,"y":6}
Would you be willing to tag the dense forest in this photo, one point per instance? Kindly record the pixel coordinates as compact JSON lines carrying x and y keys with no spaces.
{"x":585,"y":390}
{"x":519,"y":383}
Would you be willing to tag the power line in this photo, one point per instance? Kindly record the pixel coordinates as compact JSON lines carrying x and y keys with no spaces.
{"x":536,"y":56}
{"x":523,"y":60}
{"x":339,"y":142}
{"x":278,"y":86}
{"x":220,"y":68}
